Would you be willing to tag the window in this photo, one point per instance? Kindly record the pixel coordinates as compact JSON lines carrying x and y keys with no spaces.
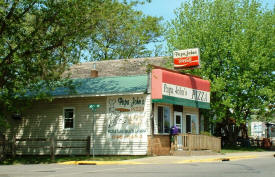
{"x":188,"y":124}
{"x":69,"y":118}
{"x":163,"y":119}
{"x":192,"y":124}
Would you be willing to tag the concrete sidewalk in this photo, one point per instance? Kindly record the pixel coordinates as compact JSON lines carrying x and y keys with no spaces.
{"x":178,"y":159}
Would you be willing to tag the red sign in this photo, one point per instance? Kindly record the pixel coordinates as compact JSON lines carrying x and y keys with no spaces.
{"x":188,"y":58}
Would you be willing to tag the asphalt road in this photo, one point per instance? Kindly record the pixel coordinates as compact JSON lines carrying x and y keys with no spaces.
{"x":260,"y":167}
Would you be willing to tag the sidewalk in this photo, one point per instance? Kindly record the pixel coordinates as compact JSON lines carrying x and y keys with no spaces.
{"x":178,"y":159}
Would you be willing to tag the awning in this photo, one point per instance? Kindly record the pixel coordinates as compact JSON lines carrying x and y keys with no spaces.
{"x":180,"y":89}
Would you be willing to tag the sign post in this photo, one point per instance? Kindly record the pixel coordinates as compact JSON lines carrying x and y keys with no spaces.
{"x":94,"y":107}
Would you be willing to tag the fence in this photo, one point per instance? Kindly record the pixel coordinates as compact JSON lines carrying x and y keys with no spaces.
{"x":48,"y":146}
{"x":3,"y":148}
{"x":197,"y":142}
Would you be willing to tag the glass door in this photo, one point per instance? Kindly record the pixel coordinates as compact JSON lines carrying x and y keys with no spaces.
{"x":178,"y":123}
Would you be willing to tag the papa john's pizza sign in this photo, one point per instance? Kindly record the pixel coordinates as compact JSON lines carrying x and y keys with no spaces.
{"x":189,"y":58}
{"x":179,"y":89}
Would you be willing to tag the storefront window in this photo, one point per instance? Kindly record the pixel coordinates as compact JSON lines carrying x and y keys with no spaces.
{"x":163,"y":119}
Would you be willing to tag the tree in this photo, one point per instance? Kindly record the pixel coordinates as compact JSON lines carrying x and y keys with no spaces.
{"x":123,"y":33}
{"x":40,"y":39}
{"x":237,"y":44}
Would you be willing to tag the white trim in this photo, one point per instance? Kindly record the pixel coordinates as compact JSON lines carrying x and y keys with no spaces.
{"x":96,"y":95}
{"x":176,"y":113}
{"x":179,"y":139}
{"x":64,"y":118}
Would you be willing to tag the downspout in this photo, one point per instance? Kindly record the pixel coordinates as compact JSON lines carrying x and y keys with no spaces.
{"x":149,"y":91}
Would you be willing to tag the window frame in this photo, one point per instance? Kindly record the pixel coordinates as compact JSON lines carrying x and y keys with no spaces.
{"x":197,"y":124}
{"x":64,"y":118}
{"x":163,"y":118}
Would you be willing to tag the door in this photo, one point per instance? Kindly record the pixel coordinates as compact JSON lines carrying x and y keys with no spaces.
{"x":178,"y":123}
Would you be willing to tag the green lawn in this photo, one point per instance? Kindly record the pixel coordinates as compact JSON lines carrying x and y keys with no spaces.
{"x":47,"y":159}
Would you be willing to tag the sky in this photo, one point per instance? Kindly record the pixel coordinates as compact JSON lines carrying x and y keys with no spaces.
{"x":165,"y":8}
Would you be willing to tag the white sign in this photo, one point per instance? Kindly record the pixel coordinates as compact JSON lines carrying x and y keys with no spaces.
{"x":125,"y":103}
{"x":126,"y":119}
{"x":185,"y":93}
{"x":127,"y":127}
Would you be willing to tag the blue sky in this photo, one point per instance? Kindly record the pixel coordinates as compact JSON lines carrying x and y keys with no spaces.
{"x":165,"y":8}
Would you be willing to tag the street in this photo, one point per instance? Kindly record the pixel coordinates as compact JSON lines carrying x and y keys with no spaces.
{"x":260,"y":167}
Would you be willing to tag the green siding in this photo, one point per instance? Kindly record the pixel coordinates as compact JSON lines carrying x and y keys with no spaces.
{"x":181,"y":101}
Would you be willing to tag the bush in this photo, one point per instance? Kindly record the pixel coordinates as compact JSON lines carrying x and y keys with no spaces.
{"x":206,"y":133}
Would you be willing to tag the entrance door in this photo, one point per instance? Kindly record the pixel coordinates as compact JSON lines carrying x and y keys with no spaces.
{"x":178,"y":123}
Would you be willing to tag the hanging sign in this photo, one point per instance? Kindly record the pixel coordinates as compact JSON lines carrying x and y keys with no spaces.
{"x":189,"y":58}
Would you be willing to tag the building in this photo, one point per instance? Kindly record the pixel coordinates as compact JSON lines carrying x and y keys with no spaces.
{"x":139,"y":103}
{"x":258,"y":130}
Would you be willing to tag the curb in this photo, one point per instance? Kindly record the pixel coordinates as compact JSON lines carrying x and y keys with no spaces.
{"x":101,"y":163}
{"x":127,"y":162}
{"x":142,"y":163}
{"x":220,"y":159}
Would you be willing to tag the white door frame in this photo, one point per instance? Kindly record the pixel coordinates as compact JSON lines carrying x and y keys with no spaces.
{"x":180,"y":126}
{"x":181,"y":122}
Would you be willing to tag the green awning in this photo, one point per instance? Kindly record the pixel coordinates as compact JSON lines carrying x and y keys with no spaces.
{"x":183,"y":102}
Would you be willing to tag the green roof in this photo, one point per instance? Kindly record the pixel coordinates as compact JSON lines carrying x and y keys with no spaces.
{"x":105,"y":85}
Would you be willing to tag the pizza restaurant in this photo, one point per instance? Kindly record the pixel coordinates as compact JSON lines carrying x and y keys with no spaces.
{"x":135,"y":115}
{"x":176,"y":101}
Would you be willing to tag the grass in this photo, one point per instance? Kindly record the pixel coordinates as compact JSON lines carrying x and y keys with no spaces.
{"x":241,"y":149}
{"x":47,"y":159}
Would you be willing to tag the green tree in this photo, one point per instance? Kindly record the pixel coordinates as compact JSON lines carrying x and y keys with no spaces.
{"x":237,"y":43}
{"x":40,"y":39}
{"x":123,"y":33}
